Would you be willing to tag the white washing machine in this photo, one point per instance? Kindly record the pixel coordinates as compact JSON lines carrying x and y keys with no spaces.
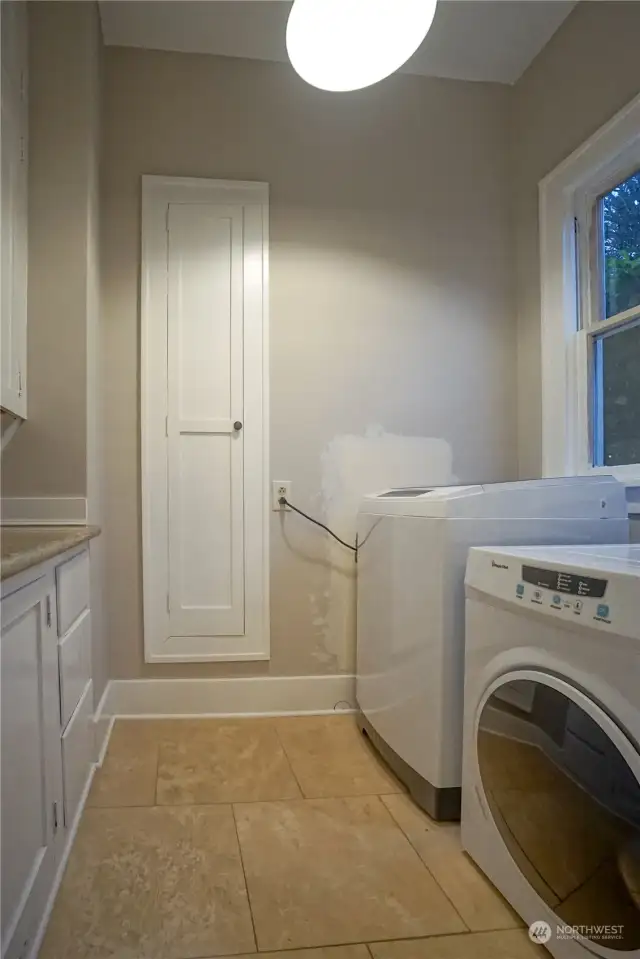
{"x":551,"y":775}
{"x":413,"y":546}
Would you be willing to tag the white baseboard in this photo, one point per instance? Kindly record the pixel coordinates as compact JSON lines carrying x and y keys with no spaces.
{"x":102,"y":731}
{"x":62,"y":865}
{"x":102,"y":726}
{"x":44,"y":510}
{"x":236,"y":696}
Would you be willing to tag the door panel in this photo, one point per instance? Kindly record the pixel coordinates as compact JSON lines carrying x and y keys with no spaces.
{"x":567,"y":805}
{"x":205,"y":453}
{"x":205,"y":308}
{"x":204,"y":526}
{"x":204,"y":419}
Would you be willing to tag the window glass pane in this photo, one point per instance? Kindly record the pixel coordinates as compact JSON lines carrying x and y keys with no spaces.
{"x":621,"y":242}
{"x":617,"y":397}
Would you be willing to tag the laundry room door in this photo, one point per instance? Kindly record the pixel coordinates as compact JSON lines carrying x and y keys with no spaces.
{"x":560,"y":780}
{"x":204,"y":380}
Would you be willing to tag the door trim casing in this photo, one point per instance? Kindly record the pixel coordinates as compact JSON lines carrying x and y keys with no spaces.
{"x":157,"y":193}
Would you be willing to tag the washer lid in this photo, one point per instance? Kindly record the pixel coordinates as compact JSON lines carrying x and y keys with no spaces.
{"x":576,"y":497}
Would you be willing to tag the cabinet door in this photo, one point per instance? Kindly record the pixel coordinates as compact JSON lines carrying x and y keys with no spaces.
{"x":13,"y":213}
{"x":205,"y":532}
{"x":32,"y":831}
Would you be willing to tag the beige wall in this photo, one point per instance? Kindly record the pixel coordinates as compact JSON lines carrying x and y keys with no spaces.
{"x":48,"y":455}
{"x":585,"y":74}
{"x":57,"y":452}
{"x":390,"y":306}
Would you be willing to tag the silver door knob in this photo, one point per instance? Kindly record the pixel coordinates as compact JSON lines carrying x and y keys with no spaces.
{"x":237,"y":426}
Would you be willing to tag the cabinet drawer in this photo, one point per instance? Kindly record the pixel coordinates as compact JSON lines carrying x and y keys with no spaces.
{"x":72,"y":584}
{"x":77,"y":754}
{"x":74,"y":662}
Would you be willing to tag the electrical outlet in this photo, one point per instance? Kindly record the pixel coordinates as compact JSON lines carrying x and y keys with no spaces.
{"x":280,"y":488}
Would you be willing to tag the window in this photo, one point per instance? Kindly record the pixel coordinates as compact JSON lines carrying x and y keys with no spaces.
{"x":590,"y":262}
{"x":615,"y":320}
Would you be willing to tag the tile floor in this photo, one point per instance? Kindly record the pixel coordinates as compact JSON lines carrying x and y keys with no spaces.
{"x":287,"y":837}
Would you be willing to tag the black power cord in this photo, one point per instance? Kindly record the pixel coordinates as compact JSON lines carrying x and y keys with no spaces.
{"x":283,"y":501}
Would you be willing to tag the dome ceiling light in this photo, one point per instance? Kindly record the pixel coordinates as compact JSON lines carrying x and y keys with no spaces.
{"x":349,"y":44}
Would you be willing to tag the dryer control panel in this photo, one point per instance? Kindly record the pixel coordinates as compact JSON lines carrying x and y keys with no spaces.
{"x":576,"y":584}
{"x":606,"y":599}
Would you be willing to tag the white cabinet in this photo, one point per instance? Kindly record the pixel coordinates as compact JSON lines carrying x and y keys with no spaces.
{"x":77,"y":753}
{"x":32,"y":796}
{"x":72,"y":589}
{"x":76,"y":689}
{"x":47,"y":735}
{"x":13,"y":209}
{"x":74,"y":656}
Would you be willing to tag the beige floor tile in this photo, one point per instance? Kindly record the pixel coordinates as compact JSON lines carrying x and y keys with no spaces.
{"x":476,"y":899}
{"x":129,"y":771}
{"x":128,"y":774}
{"x":127,"y":777}
{"x":328,"y":871}
{"x":505,"y":944}
{"x":152,"y":884}
{"x":237,"y":762}
{"x":131,"y":734}
{"x":329,"y":952}
{"x":331,"y":758}
{"x":128,"y":734}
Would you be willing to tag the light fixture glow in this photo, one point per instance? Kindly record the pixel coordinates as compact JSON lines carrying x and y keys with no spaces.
{"x":349,"y":44}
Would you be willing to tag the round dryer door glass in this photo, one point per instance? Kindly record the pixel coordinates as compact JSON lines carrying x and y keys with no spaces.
{"x":567,"y":806}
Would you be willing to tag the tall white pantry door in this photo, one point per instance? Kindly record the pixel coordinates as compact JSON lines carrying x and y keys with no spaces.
{"x":204,"y":419}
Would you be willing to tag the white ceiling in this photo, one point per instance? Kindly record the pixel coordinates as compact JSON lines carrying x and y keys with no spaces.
{"x":469,"y":40}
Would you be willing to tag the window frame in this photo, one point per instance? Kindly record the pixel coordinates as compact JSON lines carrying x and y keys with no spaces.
{"x":570,"y":300}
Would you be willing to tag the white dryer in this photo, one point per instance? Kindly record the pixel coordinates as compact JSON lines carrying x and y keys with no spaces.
{"x":551,"y":775}
{"x":413,"y":546}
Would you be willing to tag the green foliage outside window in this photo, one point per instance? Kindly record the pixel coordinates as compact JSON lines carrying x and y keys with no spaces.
{"x":621,"y":234}
{"x":618,"y":386}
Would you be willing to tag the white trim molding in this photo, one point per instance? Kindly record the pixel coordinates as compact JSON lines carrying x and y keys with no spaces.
{"x":193,"y":642}
{"x":606,"y":158}
{"x":44,"y":511}
{"x":236,"y":696}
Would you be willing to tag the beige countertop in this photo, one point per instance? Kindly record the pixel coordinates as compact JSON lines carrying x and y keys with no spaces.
{"x":26,"y":546}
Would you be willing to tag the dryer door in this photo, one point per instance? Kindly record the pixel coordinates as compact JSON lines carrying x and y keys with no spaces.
{"x":561,"y":781}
